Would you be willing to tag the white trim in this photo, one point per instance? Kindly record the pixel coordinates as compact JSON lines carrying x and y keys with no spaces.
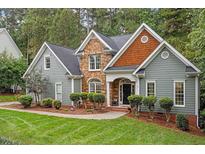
{"x":155,"y":88}
{"x":87,"y":39}
{"x":131,"y":40}
{"x":59,"y":83}
{"x":137,"y":86}
{"x":173,"y":50}
{"x":108,"y":93}
{"x":38,"y":55}
{"x":72,"y":88}
{"x":95,"y":55}
{"x":183,"y":81}
{"x":44,"y":61}
{"x":197,"y":99}
{"x":12,"y":41}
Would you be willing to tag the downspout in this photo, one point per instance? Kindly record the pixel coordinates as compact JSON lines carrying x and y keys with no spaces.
{"x":197,"y":99}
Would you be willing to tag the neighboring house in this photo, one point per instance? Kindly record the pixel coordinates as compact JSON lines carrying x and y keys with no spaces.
{"x":8,"y":45}
{"x":141,"y":63}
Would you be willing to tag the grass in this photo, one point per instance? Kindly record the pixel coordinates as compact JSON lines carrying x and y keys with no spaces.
{"x":27,"y":128}
{"x":7,"y":98}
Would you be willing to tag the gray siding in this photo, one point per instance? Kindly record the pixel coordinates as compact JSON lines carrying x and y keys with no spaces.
{"x":55,"y":74}
{"x":77,"y":85}
{"x":164,"y":72}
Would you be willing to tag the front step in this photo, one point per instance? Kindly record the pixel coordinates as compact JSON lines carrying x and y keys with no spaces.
{"x":119,"y":108}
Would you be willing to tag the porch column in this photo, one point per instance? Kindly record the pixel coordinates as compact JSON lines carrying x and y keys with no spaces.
{"x":137,"y":86}
{"x":72,"y":88}
{"x":108,"y":93}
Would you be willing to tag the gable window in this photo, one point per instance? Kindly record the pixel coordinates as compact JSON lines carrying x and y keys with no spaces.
{"x":94,"y":62}
{"x":95,"y":86}
{"x":47,"y":62}
{"x":150,"y":88}
{"x":179,"y":93}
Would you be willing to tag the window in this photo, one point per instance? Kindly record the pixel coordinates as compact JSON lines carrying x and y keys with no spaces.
{"x":94,"y":62}
{"x":150,"y":88}
{"x":179,"y":90}
{"x":58,"y":91}
{"x":47,"y":62}
{"x":95,"y":86}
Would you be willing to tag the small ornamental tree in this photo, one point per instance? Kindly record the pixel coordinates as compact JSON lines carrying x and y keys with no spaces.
{"x":84,"y":97}
{"x":75,"y":97}
{"x":99,"y":98}
{"x":135,"y":102}
{"x":166,"y":103}
{"x":149,"y":102}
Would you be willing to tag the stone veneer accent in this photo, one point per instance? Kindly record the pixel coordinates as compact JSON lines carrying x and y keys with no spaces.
{"x":94,"y":46}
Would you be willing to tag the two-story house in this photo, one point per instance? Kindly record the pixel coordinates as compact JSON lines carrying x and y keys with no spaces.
{"x":141,"y":63}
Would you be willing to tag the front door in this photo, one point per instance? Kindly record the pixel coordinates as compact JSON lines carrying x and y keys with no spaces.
{"x":126,"y":93}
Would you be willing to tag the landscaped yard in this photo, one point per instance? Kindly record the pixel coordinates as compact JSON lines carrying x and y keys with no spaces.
{"x":7,"y":98}
{"x":27,"y":128}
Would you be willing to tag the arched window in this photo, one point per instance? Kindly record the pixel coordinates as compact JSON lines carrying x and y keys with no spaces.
{"x":95,"y":86}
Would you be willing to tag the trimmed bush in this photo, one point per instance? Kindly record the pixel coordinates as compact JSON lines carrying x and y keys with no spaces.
{"x":90,"y":97}
{"x":75,"y":97}
{"x":182,"y":122}
{"x":149,"y":102}
{"x":25,"y":100}
{"x":166,"y":103}
{"x":84,"y":97}
{"x":135,"y":102}
{"x":47,"y":102}
{"x":99,"y":98}
{"x":57,"y":104}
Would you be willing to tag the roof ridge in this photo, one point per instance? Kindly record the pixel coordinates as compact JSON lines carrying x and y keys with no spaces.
{"x":60,"y":46}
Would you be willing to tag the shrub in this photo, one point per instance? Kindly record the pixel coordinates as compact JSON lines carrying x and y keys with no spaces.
{"x":75,"y":97}
{"x":182,"y":122}
{"x":84,"y":96}
{"x":90,"y":97}
{"x":47,"y":102}
{"x":57,"y":104}
{"x":135,"y":102}
{"x":25,"y":100}
{"x":166,"y":103}
{"x":5,"y":141}
{"x":149,"y":102}
{"x":99,"y":98}
{"x":202,"y":113}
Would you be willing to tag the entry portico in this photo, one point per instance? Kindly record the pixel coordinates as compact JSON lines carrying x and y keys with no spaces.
{"x":119,"y":87}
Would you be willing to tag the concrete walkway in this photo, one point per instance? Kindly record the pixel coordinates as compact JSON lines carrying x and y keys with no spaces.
{"x":8,"y":103}
{"x":101,"y":116}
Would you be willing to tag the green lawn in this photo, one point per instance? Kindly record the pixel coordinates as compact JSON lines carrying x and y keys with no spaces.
{"x":27,"y":128}
{"x":7,"y":98}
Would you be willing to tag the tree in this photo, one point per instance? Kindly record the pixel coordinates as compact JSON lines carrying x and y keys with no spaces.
{"x":166,"y":103}
{"x":197,"y":45}
{"x":149,"y":102}
{"x":36,"y":84}
{"x":11,"y":72}
{"x":65,"y":28}
{"x":135,"y":102}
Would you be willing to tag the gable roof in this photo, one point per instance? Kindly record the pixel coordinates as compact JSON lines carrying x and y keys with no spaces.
{"x":11,"y":40}
{"x":104,"y":40}
{"x":65,"y":56}
{"x":190,"y":67}
{"x":131,"y":40}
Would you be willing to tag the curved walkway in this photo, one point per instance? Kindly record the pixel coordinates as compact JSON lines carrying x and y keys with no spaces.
{"x":101,"y":116}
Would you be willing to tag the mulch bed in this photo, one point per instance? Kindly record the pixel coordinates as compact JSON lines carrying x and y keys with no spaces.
{"x":162,"y":122}
{"x":65,"y":109}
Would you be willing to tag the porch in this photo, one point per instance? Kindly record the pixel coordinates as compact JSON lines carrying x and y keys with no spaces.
{"x":119,"y":87}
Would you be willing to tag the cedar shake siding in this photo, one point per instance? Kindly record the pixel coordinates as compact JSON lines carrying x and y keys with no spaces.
{"x":94,"y":46}
{"x":137,"y":52}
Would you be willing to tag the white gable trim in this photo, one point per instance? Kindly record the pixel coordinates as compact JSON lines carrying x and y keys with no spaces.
{"x":173,"y":50}
{"x":87,"y":39}
{"x":12,"y":41}
{"x":39,"y":54}
{"x":131,"y":40}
